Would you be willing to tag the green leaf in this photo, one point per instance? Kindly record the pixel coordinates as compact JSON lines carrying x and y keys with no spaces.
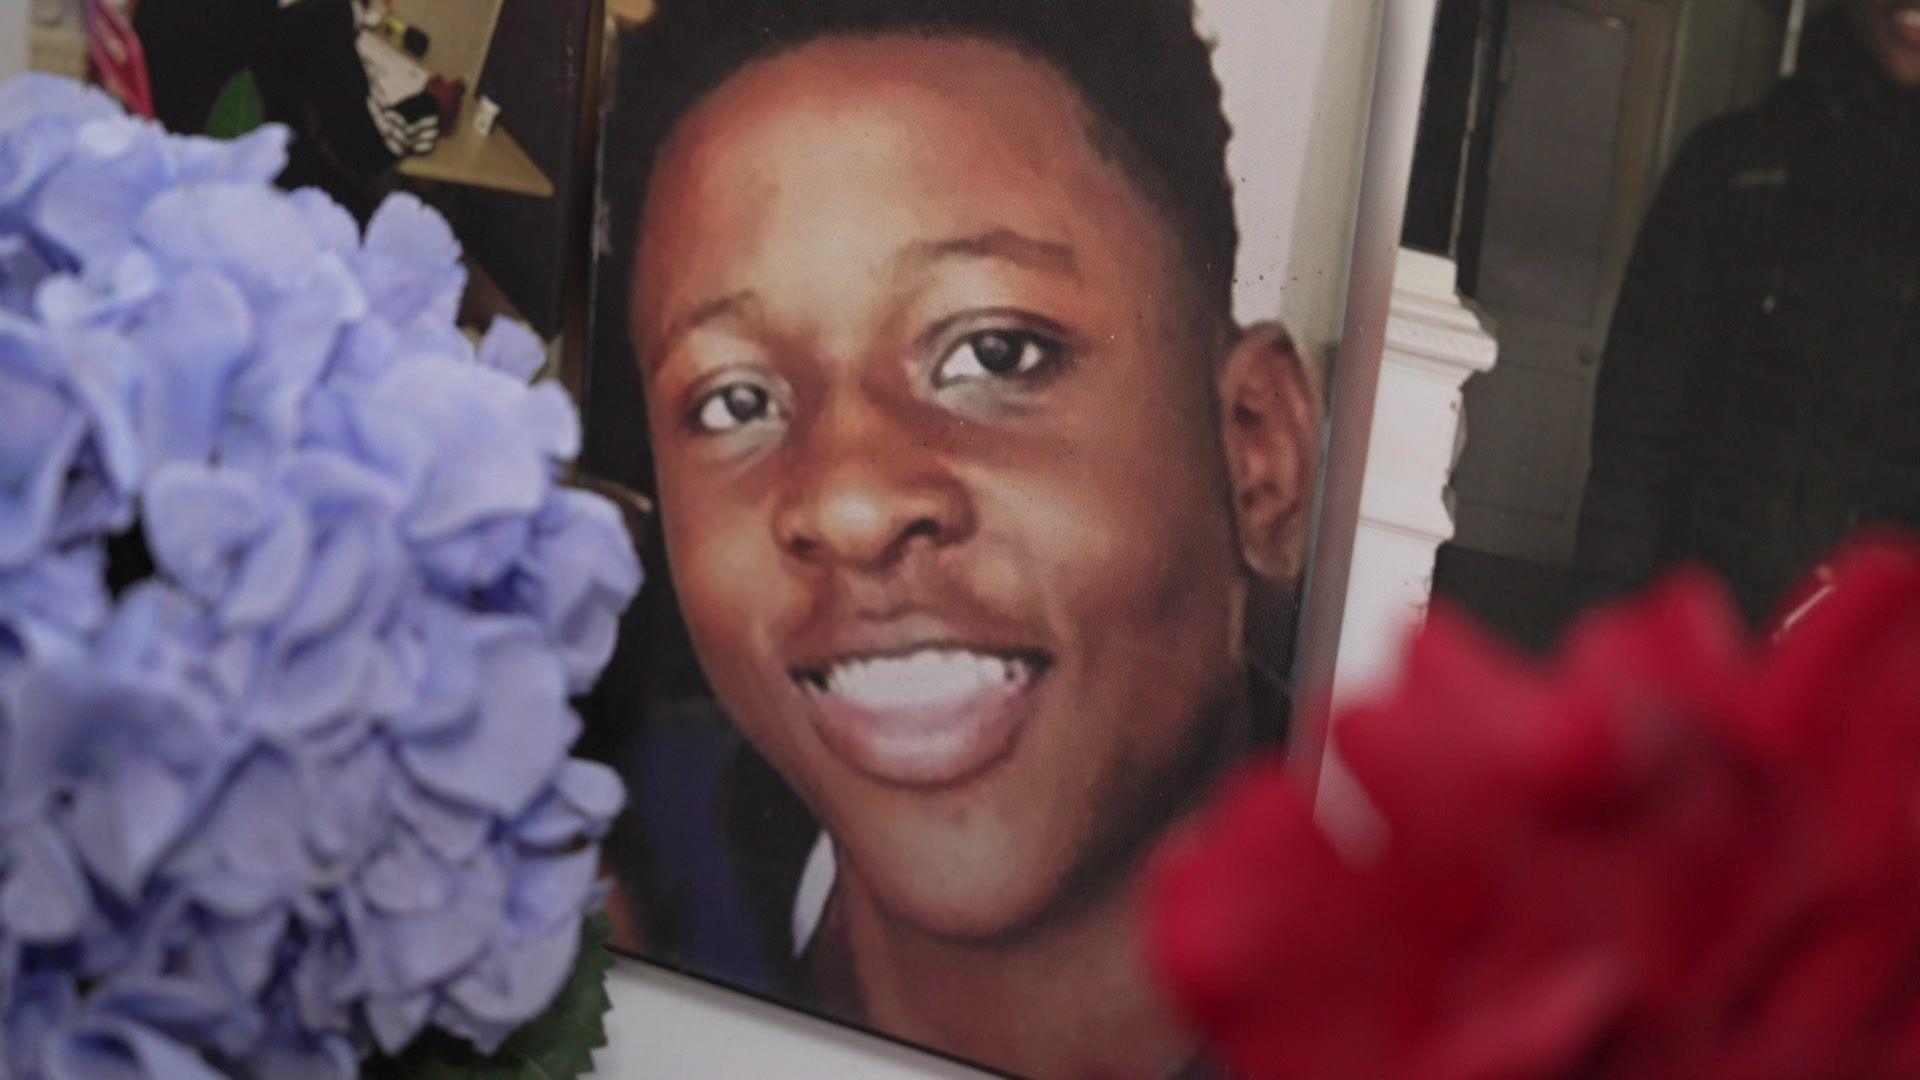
{"x":238,"y":109}
{"x":556,"y":1045}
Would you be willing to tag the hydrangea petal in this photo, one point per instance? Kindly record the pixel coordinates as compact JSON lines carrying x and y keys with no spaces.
{"x":41,"y":1005}
{"x":258,"y":825}
{"x":520,"y":730}
{"x":416,"y":950}
{"x":196,"y":333}
{"x":89,"y":204}
{"x":111,"y":1047}
{"x":453,"y":832}
{"x":411,"y":263}
{"x":122,"y":823}
{"x":235,"y":896}
{"x":40,"y":437}
{"x":43,"y":896}
{"x":105,"y":379}
{"x":23,"y":267}
{"x":331,"y":226}
{"x":100,"y":296}
{"x":195,"y":518}
{"x":482,"y":465}
{"x":299,"y":1056}
{"x":165,"y":1001}
{"x":397,"y":1020}
{"x":581,"y":573}
{"x":404,"y":877}
{"x":316,"y":684}
{"x":269,"y":574}
{"x":513,"y":350}
{"x":525,"y":977}
{"x":551,"y":890}
{"x":47,"y":99}
{"x":248,"y":948}
{"x":29,"y":153}
{"x":256,"y":157}
{"x":594,"y":789}
{"x":548,"y":413}
{"x":581,"y":805}
{"x":448,"y":679}
{"x":352,"y":818}
{"x":476,"y":557}
{"x":48,"y":606}
{"x":247,"y":230}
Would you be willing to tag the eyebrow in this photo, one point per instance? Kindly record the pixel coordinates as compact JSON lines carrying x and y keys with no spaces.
{"x":1003,"y":245}
{"x":733,"y":306}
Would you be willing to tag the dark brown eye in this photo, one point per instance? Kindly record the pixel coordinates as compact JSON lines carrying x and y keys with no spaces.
{"x":998,"y":353}
{"x":734,"y":406}
{"x":995,"y":354}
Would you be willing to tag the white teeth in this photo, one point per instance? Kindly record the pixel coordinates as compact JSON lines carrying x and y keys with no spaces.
{"x":928,"y":677}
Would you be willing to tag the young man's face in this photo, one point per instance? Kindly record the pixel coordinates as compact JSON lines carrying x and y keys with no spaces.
{"x":1892,"y":32}
{"x":940,"y":458}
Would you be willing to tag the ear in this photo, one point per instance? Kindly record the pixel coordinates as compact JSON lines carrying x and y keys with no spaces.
{"x":1270,"y":420}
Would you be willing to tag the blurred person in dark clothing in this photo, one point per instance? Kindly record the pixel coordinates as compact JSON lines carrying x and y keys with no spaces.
{"x":1760,"y":394}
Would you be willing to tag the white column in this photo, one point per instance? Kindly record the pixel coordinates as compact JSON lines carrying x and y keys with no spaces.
{"x":1434,"y":344}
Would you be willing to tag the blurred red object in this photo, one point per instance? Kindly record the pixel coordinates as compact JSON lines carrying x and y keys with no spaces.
{"x":115,"y":57}
{"x":447,"y":95}
{"x":1672,"y":852}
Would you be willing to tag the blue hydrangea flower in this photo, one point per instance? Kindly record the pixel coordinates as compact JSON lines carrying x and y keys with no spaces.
{"x":306,"y":790}
{"x":68,"y":459}
{"x":50,"y":606}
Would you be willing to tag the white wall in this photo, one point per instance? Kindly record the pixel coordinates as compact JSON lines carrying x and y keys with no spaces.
{"x":13,"y":38}
{"x":1296,"y":168}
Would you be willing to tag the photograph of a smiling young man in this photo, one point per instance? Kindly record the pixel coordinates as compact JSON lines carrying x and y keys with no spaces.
{"x":981,"y":519}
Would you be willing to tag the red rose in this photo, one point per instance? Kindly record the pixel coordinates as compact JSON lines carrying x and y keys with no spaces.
{"x":1670,"y":853}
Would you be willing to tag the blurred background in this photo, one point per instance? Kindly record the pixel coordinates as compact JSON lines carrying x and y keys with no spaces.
{"x":483,"y":108}
{"x":1547,"y":128}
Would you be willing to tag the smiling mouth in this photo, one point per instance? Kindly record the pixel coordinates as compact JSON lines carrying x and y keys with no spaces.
{"x":932,"y":716}
{"x":927,"y":676}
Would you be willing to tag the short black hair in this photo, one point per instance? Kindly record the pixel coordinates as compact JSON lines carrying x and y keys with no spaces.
{"x":1141,"y":66}
{"x":1145,"y":73}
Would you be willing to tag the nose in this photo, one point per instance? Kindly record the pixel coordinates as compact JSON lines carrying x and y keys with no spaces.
{"x":863,"y":493}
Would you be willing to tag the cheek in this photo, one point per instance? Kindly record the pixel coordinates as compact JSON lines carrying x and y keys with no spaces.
{"x":1128,"y":533}
{"x":726,"y":575}
{"x":1151,"y":507}
{"x":722,"y":559}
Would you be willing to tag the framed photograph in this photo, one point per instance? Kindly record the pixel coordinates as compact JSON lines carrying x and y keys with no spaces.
{"x":973,"y":354}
